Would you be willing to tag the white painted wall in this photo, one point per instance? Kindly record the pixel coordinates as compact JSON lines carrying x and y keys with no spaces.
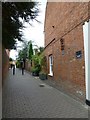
{"x":86,"y":27}
{"x":89,"y":60}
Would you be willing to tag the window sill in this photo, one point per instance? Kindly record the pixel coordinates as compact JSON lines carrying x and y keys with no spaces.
{"x":50,"y":74}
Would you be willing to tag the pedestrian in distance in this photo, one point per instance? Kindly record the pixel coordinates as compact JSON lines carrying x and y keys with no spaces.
{"x":13,"y":69}
{"x":11,"y":65}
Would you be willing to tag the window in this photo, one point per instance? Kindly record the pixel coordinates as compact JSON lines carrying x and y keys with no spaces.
{"x":51,"y":65}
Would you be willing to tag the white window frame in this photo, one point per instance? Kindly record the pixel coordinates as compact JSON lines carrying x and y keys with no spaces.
{"x":50,"y":65}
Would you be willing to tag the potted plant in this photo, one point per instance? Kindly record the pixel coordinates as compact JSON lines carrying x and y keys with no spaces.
{"x":35,"y":70}
{"x":43,"y":75}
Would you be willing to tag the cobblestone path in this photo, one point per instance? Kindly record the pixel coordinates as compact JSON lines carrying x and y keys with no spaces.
{"x":24,"y":97}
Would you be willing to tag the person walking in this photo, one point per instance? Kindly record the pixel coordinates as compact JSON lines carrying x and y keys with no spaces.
{"x":13,"y":69}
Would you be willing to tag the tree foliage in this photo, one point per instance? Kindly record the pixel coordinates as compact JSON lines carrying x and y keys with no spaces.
{"x":23,"y":53}
{"x":30,"y":50}
{"x":26,"y":52}
{"x":11,"y":24}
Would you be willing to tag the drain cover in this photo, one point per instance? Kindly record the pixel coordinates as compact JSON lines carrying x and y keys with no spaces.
{"x":42,"y":85}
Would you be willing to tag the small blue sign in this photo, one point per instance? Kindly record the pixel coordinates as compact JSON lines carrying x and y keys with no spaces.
{"x":79,"y":54}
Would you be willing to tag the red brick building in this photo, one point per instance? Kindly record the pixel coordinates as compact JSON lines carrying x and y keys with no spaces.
{"x":64,"y":43}
{"x":5,"y":62}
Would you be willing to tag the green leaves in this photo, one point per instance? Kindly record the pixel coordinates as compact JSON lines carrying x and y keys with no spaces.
{"x":30,"y":51}
{"x":11,"y":24}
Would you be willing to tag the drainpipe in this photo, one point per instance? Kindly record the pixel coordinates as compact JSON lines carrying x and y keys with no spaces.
{"x":86,"y":30}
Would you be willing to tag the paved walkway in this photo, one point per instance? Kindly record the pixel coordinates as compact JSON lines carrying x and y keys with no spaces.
{"x":24,"y":98}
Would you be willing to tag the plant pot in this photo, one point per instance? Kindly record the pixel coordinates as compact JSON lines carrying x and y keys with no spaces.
{"x":43,"y":76}
{"x":35,"y":74}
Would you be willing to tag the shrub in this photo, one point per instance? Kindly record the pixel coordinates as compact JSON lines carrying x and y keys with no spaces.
{"x":35,"y":70}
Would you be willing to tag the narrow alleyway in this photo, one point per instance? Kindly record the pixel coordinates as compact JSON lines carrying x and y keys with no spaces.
{"x":23,"y":97}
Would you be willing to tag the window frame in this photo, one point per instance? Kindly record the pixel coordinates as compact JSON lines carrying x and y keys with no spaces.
{"x":50,"y":65}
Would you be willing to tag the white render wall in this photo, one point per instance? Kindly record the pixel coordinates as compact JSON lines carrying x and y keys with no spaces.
{"x":89,"y":61}
{"x":86,"y":31}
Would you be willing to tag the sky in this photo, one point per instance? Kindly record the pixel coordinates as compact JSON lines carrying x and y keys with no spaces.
{"x":34,"y":32}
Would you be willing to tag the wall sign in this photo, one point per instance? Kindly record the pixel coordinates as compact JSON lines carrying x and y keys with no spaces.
{"x":63,"y":52}
{"x":79,"y":54}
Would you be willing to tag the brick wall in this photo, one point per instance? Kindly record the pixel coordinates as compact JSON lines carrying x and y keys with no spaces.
{"x":5,"y":63}
{"x":65,"y":20}
{"x":28,"y":65}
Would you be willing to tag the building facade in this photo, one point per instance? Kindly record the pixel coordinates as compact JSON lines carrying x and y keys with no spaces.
{"x":5,"y":62}
{"x":64,"y":42}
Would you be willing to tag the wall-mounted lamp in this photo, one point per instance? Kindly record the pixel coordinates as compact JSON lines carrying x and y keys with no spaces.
{"x":83,"y":23}
{"x":88,"y":20}
{"x":62,"y":44}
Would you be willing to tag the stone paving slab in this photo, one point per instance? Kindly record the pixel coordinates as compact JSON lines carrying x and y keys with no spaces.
{"x":68,"y":88}
{"x":24,"y":98}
